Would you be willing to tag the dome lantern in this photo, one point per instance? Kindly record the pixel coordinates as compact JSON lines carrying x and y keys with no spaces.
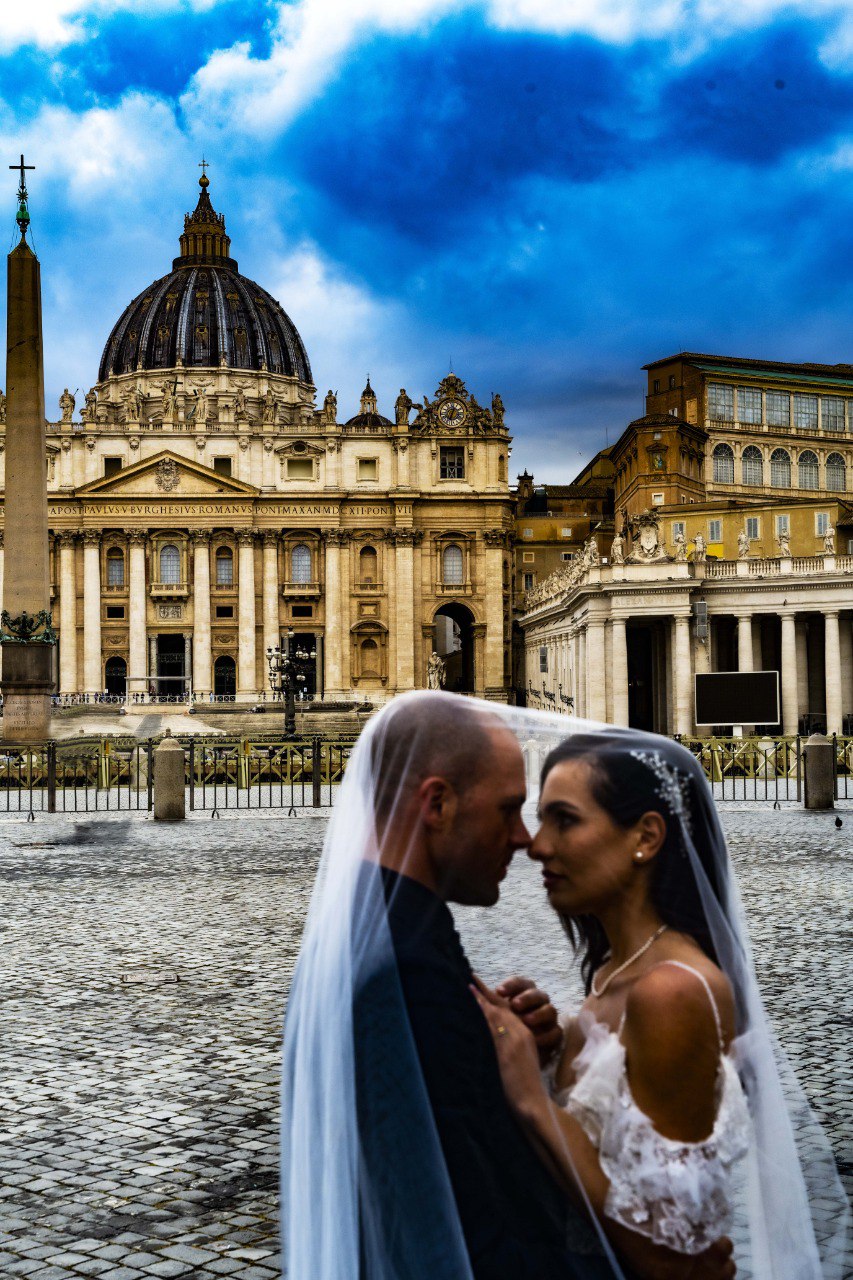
{"x":204,"y":240}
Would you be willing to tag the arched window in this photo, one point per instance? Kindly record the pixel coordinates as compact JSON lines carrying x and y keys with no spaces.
{"x":300,"y":563}
{"x":836,"y":473}
{"x":501,"y":467}
{"x":724,"y":464}
{"x":369,"y":658}
{"x":780,"y":469}
{"x":115,"y":567}
{"x":170,"y":564}
{"x":224,"y":567}
{"x":808,"y":472}
{"x":367,"y":565}
{"x":753,"y":465}
{"x":452,"y":566}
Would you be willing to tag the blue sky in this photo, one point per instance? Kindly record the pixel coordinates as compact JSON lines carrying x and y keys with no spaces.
{"x":546,"y":193}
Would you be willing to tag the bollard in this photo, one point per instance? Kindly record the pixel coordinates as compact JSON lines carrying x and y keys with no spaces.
{"x":819,"y":756}
{"x":169,"y":794}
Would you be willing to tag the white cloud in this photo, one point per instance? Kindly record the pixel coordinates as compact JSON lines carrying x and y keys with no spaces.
{"x":51,"y":24}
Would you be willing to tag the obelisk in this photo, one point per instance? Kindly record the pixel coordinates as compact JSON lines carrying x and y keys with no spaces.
{"x":26,"y":631}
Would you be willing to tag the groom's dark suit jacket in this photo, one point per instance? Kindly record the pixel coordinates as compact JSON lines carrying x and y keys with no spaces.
{"x":517,"y":1223}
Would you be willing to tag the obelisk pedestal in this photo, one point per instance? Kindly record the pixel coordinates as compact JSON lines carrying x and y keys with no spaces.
{"x":26,"y":632}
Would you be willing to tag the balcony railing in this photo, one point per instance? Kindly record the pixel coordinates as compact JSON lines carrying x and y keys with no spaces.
{"x":169,"y":590}
{"x":290,"y":589}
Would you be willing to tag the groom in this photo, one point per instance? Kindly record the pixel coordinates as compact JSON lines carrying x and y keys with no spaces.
{"x":449,"y":789}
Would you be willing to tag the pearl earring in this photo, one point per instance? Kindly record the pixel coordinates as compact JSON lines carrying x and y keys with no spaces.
{"x":638,"y":856}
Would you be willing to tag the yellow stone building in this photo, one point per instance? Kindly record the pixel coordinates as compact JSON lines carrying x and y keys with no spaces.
{"x":204,"y":506}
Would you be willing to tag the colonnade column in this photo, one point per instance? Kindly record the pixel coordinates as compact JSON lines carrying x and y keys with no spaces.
{"x":335,"y":539}
{"x":67,"y":614}
{"x":833,"y":672}
{"x":137,"y":609}
{"x":583,"y":701}
{"x":789,"y":673}
{"x":202,"y":655}
{"x":596,"y":669}
{"x":246,"y":638}
{"x":92,"y":679}
{"x":271,"y":629}
{"x":493,"y":590}
{"x":152,"y":662}
{"x":682,"y":660}
{"x":745,"y":653}
{"x":620,"y":672}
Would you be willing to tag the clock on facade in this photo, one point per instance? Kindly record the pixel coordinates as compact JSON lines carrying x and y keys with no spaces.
{"x":452,"y":413}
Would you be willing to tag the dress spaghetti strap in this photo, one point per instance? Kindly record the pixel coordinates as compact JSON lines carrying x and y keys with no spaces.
{"x":689,"y":969}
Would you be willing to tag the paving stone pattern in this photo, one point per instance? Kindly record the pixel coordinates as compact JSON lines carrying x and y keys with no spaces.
{"x":147,"y":968}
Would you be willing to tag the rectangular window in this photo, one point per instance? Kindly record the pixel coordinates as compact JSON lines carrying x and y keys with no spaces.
{"x":367,"y":468}
{"x":656,"y":386}
{"x":832,"y":413}
{"x":783,"y":525}
{"x":115,"y":610}
{"x":778,"y":409}
{"x":657,"y":499}
{"x":528,"y":556}
{"x":677,"y":529}
{"x":300,"y":469}
{"x":451,"y":463}
{"x":111,"y":466}
{"x":302,"y":611}
{"x":529,"y":581}
{"x":821,"y":520}
{"x":749,"y":406}
{"x":115,"y":570}
{"x":565,"y":555}
{"x":543,"y":659}
{"x":222,"y":466}
{"x":752,"y":528}
{"x":715,"y":530}
{"x":225,"y":611}
{"x":721,"y":402}
{"x":805,"y":412}
{"x":565,"y":533}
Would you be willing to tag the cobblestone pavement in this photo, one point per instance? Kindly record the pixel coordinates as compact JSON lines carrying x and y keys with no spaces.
{"x":146,"y":971}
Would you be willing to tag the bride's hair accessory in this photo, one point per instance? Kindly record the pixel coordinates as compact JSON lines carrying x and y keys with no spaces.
{"x":672,"y":786}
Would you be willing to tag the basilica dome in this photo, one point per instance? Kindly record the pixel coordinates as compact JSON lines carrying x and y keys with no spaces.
{"x":204,"y":313}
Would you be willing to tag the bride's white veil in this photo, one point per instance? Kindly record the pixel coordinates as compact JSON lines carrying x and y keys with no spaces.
{"x":365,"y":1190}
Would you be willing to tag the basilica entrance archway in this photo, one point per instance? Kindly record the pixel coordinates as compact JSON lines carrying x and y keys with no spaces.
{"x":115,"y":677}
{"x":224,"y":677}
{"x":454,"y":642}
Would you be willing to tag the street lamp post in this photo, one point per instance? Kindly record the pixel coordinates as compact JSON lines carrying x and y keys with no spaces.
{"x":289,"y":671}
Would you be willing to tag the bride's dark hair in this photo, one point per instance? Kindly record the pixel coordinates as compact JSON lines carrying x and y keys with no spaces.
{"x":623,"y":783}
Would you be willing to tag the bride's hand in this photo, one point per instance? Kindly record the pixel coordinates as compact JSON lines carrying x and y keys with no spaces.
{"x":517,"y":1055}
{"x":536,"y":1012}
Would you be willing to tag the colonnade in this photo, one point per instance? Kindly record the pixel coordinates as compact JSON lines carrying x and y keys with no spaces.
{"x":589,"y":657}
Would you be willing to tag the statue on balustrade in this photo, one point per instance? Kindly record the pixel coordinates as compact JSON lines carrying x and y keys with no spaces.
{"x":330,"y":407}
{"x":87,"y":413}
{"x":784,"y":541}
{"x":743,"y":545}
{"x":829,"y":541}
{"x":700,"y":548}
{"x":67,"y":403}
{"x":402,"y":408}
{"x":269,"y":410}
{"x":680,"y":544}
{"x":617,"y":550}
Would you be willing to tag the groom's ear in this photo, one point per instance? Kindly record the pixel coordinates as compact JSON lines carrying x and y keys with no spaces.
{"x":437,"y":802}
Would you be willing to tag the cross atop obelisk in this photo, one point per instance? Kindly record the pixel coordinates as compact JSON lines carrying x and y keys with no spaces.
{"x":23,"y":215}
{"x":26,"y":633}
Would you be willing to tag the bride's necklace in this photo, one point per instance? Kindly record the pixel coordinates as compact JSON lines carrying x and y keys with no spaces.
{"x":622,"y":967}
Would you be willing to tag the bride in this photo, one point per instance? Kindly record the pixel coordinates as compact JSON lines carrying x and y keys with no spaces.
{"x":664,"y":1123}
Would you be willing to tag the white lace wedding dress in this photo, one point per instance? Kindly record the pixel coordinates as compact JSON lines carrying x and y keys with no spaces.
{"x":679,"y":1194}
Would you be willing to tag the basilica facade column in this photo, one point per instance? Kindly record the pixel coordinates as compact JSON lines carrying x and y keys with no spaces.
{"x":271,"y":629}
{"x":496,"y":541}
{"x":68,"y":682}
{"x":137,"y":613}
{"x":583,"y":699}
{"x":404,"y":542}
{"x":202,"y":656}
{"x":620,"y":672}
{"x":683,"y":673}
{"x":832,"y":644}
{"x":745,"y":652}
{"x":246,"y":621}
{"x":92,"y":678}
{"x":336,"y":540}
{"x":789,"y":672}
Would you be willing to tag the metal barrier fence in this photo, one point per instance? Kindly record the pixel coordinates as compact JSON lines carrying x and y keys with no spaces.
{"x":110,"y":775}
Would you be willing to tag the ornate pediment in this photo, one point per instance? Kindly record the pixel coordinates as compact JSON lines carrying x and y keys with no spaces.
{"x":167,"y":474}
{"x":454,"y":411}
